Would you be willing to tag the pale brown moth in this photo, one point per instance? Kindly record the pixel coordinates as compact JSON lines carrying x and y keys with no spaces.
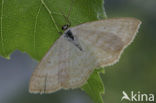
{"x":81,"y":49}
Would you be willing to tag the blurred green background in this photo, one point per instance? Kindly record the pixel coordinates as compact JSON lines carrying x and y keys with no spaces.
{"x":136,"y":70}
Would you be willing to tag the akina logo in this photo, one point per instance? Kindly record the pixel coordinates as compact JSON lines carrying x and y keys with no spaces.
{"x":138,"y":96}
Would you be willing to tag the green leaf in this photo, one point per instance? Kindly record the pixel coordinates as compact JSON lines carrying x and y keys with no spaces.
{"x":94,"y":87}
{"x":27,"y":26}
{"x":32,"y":26}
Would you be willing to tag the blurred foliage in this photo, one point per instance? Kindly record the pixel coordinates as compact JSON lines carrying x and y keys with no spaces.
{"x":136,"y":70}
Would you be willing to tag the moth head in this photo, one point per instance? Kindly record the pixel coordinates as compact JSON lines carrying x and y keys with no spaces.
{"x":65,"y":27}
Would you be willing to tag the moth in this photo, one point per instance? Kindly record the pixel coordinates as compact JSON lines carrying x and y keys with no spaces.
{"x":81,"y":49}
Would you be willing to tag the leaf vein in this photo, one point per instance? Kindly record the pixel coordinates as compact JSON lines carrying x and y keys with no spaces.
{"x":35,"y":27}
{"x":2,"y":39}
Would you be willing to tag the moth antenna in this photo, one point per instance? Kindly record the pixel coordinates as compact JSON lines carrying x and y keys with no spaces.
{"x":65,"y":17}
{"x":70,"y":9}
{"x":68,"y":15}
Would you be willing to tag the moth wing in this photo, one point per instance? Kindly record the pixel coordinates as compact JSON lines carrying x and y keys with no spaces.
{"x":45,"y":76}
{"x":107,"y":38}
{"x":64,"y":66}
